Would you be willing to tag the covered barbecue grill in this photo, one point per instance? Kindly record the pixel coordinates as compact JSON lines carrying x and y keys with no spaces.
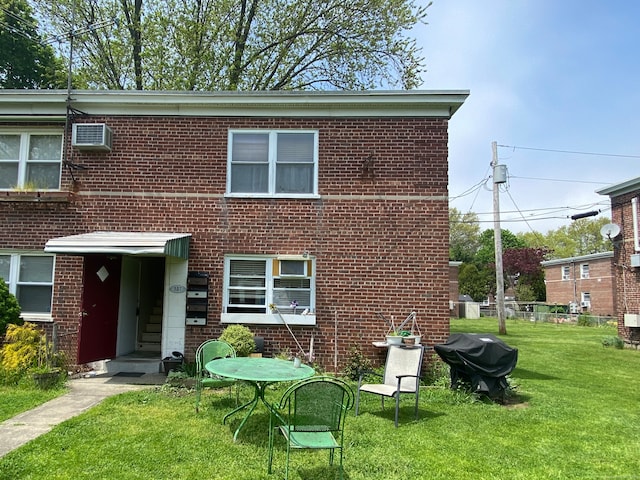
{"x":480,"y":360}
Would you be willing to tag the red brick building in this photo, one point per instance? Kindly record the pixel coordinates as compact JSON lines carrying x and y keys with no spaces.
{"x":586,"y":283}
{"x":155,"y":219}
{"x":625,"y":236}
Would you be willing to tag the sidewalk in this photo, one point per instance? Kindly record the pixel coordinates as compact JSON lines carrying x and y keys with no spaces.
{"x":84,"y":393}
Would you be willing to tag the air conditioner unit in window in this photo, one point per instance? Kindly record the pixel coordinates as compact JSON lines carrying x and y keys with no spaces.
{"x":584,"y":304}
{"x":92,"y":136}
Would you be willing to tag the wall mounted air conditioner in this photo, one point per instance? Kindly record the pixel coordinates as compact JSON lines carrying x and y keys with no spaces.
{"x":584,"y":304}
{"x":92,"y":136}
{"x":635,"y":260}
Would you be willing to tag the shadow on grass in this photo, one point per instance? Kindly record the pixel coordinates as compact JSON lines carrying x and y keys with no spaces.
{"x":531,"y":375}
{"x":406,"y":415}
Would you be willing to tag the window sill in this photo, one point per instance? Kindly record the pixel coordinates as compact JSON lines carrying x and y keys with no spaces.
{"x":36,"y":196}
{"x":268,"y":319}
{"x":37,"y":317}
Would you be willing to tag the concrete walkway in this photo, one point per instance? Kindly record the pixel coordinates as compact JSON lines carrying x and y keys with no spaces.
{"x":84,"y":393}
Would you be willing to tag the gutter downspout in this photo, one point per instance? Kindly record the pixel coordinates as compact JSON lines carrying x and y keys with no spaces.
{"x":634,"y":212}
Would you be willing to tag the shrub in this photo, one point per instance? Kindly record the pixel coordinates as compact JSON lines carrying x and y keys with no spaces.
{"x":356,"y":362}
{"x":586,"y":321}
{"x":20,"y":351}
{"x":240,"y":338}
{"x":9,"y":308}
{"x":613,"y":341}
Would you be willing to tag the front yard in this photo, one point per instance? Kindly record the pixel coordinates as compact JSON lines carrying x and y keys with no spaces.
{"x":575,"y":415}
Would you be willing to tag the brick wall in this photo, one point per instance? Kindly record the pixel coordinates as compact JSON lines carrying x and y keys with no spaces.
{"x":627,"y":278}
{"x":600,"y":285}
{"x":379,"y":234}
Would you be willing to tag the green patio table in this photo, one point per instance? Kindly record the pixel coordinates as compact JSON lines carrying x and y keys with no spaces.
{"x":260,"y":372}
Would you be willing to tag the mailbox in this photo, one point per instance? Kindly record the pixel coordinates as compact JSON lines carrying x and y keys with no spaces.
{"x":197,"y":298}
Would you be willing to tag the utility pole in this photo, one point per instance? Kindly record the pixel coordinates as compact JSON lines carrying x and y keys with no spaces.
{"x":499,"y":176}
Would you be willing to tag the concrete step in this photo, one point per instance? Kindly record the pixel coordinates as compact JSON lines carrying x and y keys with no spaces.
{"x":154,"y":328}
{"x":152,"y":337}
{"x":137,"y":365}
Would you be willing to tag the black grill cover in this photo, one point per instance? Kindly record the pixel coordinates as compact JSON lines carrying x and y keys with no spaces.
{"x":479,"y":359}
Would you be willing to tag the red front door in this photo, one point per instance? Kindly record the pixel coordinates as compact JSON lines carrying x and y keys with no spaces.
{"x":100,"y":298}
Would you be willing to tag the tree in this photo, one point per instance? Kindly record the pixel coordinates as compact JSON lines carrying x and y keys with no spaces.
{"x":581,"y":237}
{"x":486,"y":252}
{"x":464,"y":235}
{"x":522,"y":268}
{"x":9,"y":308}
{"x":242,"y":44}
{"x":474,"y":281}
{"x":26,"y":62}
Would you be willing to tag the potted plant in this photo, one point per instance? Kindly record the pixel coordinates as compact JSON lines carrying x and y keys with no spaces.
{"x":394,"y":338}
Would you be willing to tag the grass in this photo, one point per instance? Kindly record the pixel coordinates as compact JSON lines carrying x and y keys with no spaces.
{"x":576,"y":416}
{"x":15,"y":400}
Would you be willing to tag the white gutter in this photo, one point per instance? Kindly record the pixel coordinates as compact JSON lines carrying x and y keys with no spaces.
{"x":634,"y":211}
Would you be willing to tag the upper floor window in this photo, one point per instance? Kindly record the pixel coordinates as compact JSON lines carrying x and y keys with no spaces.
{"x":566,"y":272}
{"x":30,"y":160}
{"x":584,"y":270}
{"x":253,"y":284}
{"x":30,"y":279}
{"x":273,"y":163}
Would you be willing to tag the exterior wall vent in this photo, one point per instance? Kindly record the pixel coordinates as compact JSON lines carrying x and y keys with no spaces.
{"x":92,"y":136}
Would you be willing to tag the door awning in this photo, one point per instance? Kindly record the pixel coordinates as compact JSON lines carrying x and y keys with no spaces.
{"x":123,"y":243}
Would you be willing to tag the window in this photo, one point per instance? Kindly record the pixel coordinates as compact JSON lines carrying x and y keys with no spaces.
{"x":566,"y":272}
{"x":30,"y":160}
{"x":30,"y":279}
{"x":585,"y":299}
{"x":273,"y":163}
{"x":584,"y":270}
{"x":252,"y":284}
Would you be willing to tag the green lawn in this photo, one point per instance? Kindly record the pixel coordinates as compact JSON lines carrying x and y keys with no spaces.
{"x":577,"y":417}
{"x":17,"y":400}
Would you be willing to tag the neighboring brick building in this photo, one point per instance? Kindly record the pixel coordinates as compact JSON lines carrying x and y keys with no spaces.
{"x":586,"y":283}
{"x":625,"y":215}
{"x":220,"y":204}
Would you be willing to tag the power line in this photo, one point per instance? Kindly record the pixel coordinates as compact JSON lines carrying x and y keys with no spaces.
{"x":570,"y":151}
{"x":559,"y":180}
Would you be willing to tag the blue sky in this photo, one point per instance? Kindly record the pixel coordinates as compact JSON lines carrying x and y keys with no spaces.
{"x":544,"y":76}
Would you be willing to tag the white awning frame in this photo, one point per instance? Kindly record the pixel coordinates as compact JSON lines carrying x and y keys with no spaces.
{"x":122,"y":243}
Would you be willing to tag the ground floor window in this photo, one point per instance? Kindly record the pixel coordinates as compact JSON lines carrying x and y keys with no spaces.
{"x":30,"y":278}
{"x":253,"y":285}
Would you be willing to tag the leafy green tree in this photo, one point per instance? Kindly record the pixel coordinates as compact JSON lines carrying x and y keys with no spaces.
{"x":9,"y":308}
{"x":464,"y":235}
{"x":25,"y":61}
{"x":581,"y":237}
{"x":242,"y":44}
{"x":486,"y":252}
{"x":474,"y":281}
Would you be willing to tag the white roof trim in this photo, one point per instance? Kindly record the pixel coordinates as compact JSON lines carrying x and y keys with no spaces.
{"x":49,"y":104}
{"x":122,"y":243}
{"x":581,"y":258}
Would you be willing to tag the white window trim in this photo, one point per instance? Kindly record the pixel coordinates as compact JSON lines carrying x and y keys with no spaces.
{"x":22,"y":161}
{"x":272,"y":165}
{"x":266,"y":318}
{"x":584,"y":270}
{"x":14,"y":272}
{"x":562,"y":270}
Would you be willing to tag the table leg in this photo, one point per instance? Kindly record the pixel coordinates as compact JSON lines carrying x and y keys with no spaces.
{"x":251,"y":404}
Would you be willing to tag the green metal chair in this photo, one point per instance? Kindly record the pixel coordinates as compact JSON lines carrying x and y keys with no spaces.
{"x":311,"y":415}
{"x":206,"y":352}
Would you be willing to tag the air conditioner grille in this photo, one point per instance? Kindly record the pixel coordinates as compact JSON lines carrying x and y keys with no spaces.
{"x":92,"y":136}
